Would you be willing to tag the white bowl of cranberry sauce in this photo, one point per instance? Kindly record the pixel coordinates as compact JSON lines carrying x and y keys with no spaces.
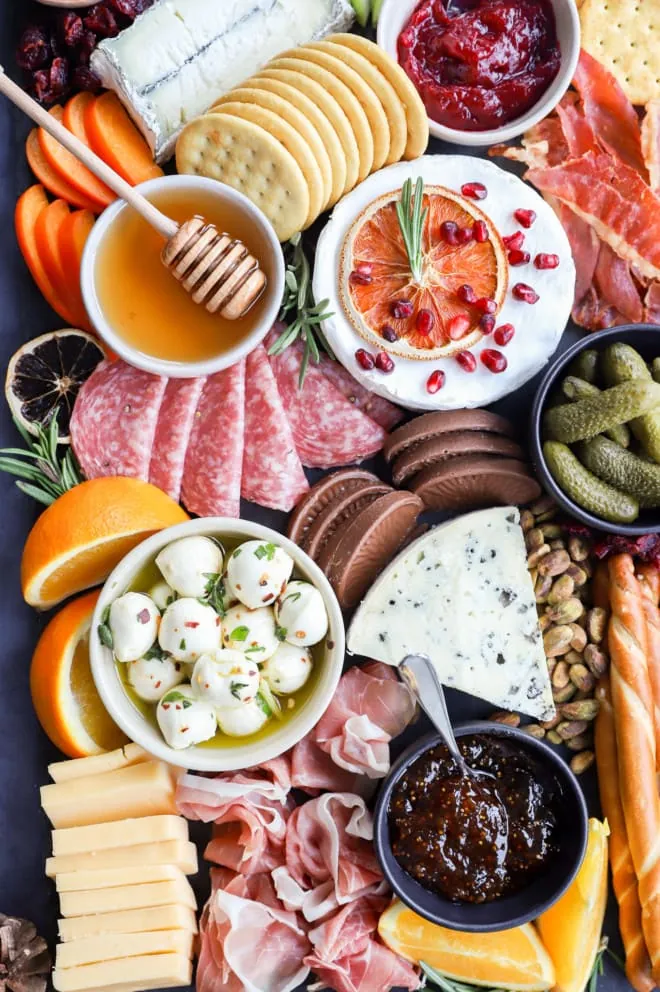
{"x":487,"y":70}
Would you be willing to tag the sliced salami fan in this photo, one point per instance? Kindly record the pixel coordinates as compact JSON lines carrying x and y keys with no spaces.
{"x":214,"y":462}
{"x":113,"y":424}
{"x":377,"y":407}
{"x":327,"y":429}
{"x":173,"y":430}
{"x":273,"y":475}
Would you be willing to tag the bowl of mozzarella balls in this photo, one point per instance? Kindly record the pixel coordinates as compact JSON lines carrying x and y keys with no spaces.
{"x":216,"y":644}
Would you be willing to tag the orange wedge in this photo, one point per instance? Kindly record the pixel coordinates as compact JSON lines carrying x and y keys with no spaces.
{"x":571,"y":929}
{"x":511,"y":959}
{"x":63,"y":692}
{"x":78,"y":539}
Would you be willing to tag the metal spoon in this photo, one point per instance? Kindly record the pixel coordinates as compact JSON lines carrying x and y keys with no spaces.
{"x":419,"y":674}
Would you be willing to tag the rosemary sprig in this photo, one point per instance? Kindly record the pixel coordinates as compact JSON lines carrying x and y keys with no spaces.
{"x":411,"y":219}
{"x":299,"y":300}
{"x":45,"y":471}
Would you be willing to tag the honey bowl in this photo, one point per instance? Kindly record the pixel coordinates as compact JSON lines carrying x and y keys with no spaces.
{"x":140,"y":310}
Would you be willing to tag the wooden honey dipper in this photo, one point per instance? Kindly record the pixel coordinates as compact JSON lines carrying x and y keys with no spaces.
{"x":217,"y":270}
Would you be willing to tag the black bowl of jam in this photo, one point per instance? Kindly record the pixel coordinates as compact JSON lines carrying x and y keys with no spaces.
{"x":486,"y":851}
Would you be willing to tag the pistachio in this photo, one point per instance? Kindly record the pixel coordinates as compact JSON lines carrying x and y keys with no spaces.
{"x":579,"y":641}
{"x":573,"y":658}
{"x":567,"y":612}
{"x":583,"y":694}
{"x":580,"y":743}
{"x":534,"y":557}
{"x":550,"y":724}
{"x":561,"y":589}
{"x":595,"y":660}
{"x":557,"y":545}
{"x":582,"y":678}
{"x":534,"y":539}
{"x":563,"y":695}
{"x":578,"y":575}
{"x":556,"y":641}
{"x":545,"y":623}
{"x":534,"y":730}
{"x":542,"y":588}
{"x":581,"y":709}
{"x":553,"y":737}
{"x":560,"y":677}
{"x":526,"y":520}
{"x":507,"y":718}
{"x":596,"y":624}
{"x":571,"y":728}
{"x":555,"y":563}
{"x":578,"y":547}
{"x":543,"y":505}
{"x":551,"y":664}
{"x":580,"y":762}
{"x":551,"y":532}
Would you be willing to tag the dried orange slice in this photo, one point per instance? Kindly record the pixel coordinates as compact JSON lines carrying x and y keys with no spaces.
{"x":376,"y":276}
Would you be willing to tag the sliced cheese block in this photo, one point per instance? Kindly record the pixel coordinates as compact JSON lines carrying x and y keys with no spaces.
{"x":123,"y":945}
{"x":111,"y":878}
{"x":128,"y":897}
{"x":462,"y":594}
{"x":128,"y":921}
{"x":151,"y":971}
{"x":146,"y":789}
{"x":104,"y":836}
{"x":98,"y":764}
{"x":181,"y":853}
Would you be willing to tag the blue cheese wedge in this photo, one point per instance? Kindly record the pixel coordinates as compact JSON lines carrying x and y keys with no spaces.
{"x":462,"y":594}
{"x":180,"y":56}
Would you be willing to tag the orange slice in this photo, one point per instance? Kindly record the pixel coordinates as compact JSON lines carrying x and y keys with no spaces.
{"x":375,"y":246}
{"x":63,"y":692}
{"x":78,"y":539}
{"x":509,"y":959}
{"x":571,"y":929}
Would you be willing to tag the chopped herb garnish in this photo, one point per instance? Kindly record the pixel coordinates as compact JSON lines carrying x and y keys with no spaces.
{"x":235,"y":688}
{"x":215,"y":593}
{"x":264,"y":705}
{"x":270,"y":704}
{"x":236,"y":553}
{"x":280,"y":632}
{"x":266,"y":551}
{"x":239,"y":634}
{"x":177,"y":697}
{"x":155,"y":653}
{"x":104,"y":632}
{"x":293,"y":596}
{"x":182,"y":644}
{"x":254,"y":649}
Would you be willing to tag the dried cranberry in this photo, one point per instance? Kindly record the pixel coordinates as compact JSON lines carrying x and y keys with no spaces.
{"x":449,"y":232}
{"x":41,"y":87}
{"x":425,"y":322}
{"x":364,"y":359}
{"x":466,"y":294}
{"x":102,"y":21}
{"x":464,"y":235}
{"x":459,"y":326}
{"x":86,"y":47}
{"x":475,"y":191}
{"x":402,"y":309}
{"x":525,"y":217}
{"x":72,"y":29}
{"x":384,"y":363}
{"x":503,"y":334}
{"x":514,"y":241}
{"x":435,"y":381}
{"x":544,"y":261}
{"x":487,"y":323}
{"x":493,"y":360}
{"x":84,"y":79}
{"x":357,"y":278}
{"x":480,"y":231}
{"x":485,"y":305}
{"x":467,"y":361}
{"x":59,"y":76}
{"x":518,"y":257}
{"x":388,"y":332}
{"x":34,"y":49}
{"x":521,"y":291}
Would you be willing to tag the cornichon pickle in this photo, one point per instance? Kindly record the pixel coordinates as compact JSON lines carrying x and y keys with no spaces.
{"x":621,"y":363}
{"x":621,"y":469}
{"x":655,"y":369}
{"x":586,"y":489}
{"x":585,"y":365}
{"x":574,"y":388}
{"x":586,"y":418}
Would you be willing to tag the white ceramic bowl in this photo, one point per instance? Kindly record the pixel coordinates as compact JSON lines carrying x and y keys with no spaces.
{"x":241,"y":755}
{"x":393,"y":18}
{"x":274,"y":262}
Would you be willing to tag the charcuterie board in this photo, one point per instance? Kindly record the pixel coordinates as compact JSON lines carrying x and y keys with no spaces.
{"x":24,"y":831}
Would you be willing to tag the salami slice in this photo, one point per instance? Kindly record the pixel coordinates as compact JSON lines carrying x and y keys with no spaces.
{"x":173,"y":430}
{"x":214,"y":461}
{"x":113,"y":424}
{"x":387,"y":414}
{"x":328,"y":430}
{"x":273,"y":475}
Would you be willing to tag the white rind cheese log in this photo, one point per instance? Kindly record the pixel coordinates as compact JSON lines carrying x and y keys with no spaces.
{"x":463,"y":595}
{"x":179,"y":57}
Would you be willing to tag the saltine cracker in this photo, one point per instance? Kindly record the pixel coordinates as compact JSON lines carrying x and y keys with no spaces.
{"x":624,"y":35}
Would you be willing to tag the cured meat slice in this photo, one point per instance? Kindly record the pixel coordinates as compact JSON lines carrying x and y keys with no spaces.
{"x":113,"y":424}
{"x":175,"y":422}
{"x":214,"y":461}
{"x":542,"y":146}
{"x":327,"y":429}
{"x":652,"y":304}
{"x":273,"y":475}
{"x":651,"y":143}
{"x":578,"y":132}
{"x":617,"y":286}
{"x":387,"y":414}
{"x":585,"y":247}
{"x":594,"y":314}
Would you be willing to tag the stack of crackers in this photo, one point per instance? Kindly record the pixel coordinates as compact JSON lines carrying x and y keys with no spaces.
{"x":308,"y":128}
{"x":624,"y":36}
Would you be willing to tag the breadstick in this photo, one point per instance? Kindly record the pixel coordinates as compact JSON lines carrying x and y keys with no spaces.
{"x":632,"y":701}
{"x":624,"y":879}
{"x":649,"y":581}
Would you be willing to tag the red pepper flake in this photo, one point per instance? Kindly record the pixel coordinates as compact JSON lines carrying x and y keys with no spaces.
{"x":191,"y":623}
{"x":143,"y":616}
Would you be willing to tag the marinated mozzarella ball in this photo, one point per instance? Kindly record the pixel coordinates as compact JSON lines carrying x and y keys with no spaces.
{"x":186,"y":564}
{"x":152,"y":677}
{"x":227,"y":679}
{"x":257,"y":572}
{"x":288,"y":669}
{"x":188,"y":629}
{"x":243,"y":720}
{"x":301,"y":614}
{"x":250,"y":631}
{"x":133,"y":623}
{"x":162,"y":595}
{"x":185,"y":720}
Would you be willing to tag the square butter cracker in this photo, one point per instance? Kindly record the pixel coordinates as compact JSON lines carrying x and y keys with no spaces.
{"x":624,"y":35}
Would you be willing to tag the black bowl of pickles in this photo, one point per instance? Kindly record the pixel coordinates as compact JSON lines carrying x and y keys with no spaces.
{"x":595,"y":430}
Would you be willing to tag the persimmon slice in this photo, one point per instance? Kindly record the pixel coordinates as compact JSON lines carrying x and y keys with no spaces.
{"x":52,"y":180}
{"x":68,"y":166}
{"x":114,"y":136}
{"x":375,"y":246}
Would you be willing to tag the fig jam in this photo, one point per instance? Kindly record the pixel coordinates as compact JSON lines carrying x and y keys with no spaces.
{"x":474,"y":838}
{"x":479,"y":64}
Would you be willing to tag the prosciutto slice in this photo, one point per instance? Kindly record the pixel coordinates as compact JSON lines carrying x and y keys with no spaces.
{"x":542,"y":146}
{"x":585,"y":247}
{"x":651,"y":143}
{"x":577,"y":130}
{"x":618,"y":288}
{"x":175,"y":422}
{"x":652,"y":304}
{"x":595,"y":314}
{"x":377,"y":407}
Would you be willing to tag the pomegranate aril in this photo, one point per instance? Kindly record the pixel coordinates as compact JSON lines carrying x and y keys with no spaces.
{"x":525,"y":217}
{"x":475,"y":191}
{"x":364,"y":268}
{"x":449,"y":232}
{"x":425,"y":322}
{"x":485,"y":305}
{"x":514,"y":241}
{"x":493,"y":360}
{"x":435,"y":381}
{"x":467,"y":361}
{"x":384,"y":362}
{"x":466,"y":294}
{"x":388,"y":332}
{"x":360,"y":278}
{"x":459,"y":326}
{"x":518,"y":257}
{"x":487,"y":323}
{"x":402,"y":309}
{"x":503,"y":334}
{"x":480,"y":231}
{"x":464,"y":235}
{"x":544,"y":261}
{"x":364,"y":359}
{"x":521,"y":291}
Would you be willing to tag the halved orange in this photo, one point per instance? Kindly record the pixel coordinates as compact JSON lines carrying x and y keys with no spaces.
{"x":63,"y":692}
{"x":375,"y":246}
